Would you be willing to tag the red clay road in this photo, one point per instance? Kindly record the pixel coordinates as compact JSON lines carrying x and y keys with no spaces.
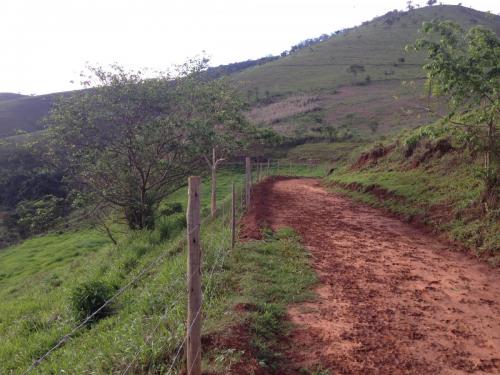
{"x":391,"y":299}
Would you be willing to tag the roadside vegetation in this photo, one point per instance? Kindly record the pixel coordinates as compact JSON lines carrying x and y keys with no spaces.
{"x":49,"y":283}
{"x":267,"y":276}
{"x":91,"y":202}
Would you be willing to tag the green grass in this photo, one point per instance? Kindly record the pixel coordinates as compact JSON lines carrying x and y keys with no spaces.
{"x":38,"y":276}
{"x":268,"y":275}
{"x":375,"y":44}
{"x":443,"y":193}
{"x":337,"y":152}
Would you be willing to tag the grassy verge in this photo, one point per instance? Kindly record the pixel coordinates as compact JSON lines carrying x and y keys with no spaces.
{"x":266,"y":276}
{"x":442,"y":193}
{"x":145,"y":327}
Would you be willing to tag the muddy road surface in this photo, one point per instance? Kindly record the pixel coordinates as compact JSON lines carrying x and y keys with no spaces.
{"x":391,"y":299}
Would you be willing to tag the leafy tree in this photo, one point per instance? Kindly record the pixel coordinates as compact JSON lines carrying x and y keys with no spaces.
{"x":354,"y":69}
{"x":130,"y":140}
{"x":39,"y":215}
{"x":464,"y":66}
{"x":431,"y":2}
{"x":222,"y":129}
{"x":26,"y":175}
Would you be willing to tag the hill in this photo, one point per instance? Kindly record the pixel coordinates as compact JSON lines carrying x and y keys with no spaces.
{"x":374,"y":49}
{"x":368,"y":55}
{"x":357,"y":83}
{"x":23,"y":113}
{"x":10,"y":96}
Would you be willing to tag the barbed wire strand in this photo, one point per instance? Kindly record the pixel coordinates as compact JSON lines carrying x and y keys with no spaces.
{"x":223,"y":204}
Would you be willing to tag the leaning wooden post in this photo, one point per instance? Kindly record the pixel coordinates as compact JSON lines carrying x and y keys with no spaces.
{"x":268,"y":162}
{"x":233,"y":217}
{"x":257,"y":171}
{"x":193,"y":342}
{"x":248,"y":181}
{"x":261,"y":176}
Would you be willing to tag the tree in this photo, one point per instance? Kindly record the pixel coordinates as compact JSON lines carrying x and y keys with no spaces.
{"x":464,"y":66}
{"x":431,"y":2}
{"x":217,"y":108}
{"x":409,"y":5}
{"x":130,"y":140}
{"x":354,"y":69}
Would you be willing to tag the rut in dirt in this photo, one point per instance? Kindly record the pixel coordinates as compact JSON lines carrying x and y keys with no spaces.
{"x":391,"y":299}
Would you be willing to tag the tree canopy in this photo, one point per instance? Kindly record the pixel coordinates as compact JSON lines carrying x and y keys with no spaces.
{"x":464,"y":67}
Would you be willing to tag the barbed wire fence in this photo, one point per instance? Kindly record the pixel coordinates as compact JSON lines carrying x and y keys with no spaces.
{"x":230,"y":209}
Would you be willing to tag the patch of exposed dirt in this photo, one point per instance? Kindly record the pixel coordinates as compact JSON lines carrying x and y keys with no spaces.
{"x":371,"y":157}
{"x":236,"y":338}
{"x":391,"y":299}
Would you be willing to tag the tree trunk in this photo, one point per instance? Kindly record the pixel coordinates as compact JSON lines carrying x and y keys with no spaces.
{"x":213,"y":205}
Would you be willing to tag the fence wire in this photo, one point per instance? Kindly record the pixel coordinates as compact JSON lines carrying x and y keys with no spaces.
{"x":259,"y":172}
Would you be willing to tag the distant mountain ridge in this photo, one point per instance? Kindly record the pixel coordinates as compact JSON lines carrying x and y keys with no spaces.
{"x":371,"y":52}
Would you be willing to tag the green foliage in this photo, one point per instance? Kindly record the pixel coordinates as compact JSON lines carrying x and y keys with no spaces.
{"x":170,"y":226}
{"x":38,"y":216}
{"x":38,"y":276}
{"x":429,"y":132}
{"x":444,"y":191}
{"x":170,"y":209}
{"x":465,"y":67}
{"x":90,"y":296}
{"x":131,"y":140}
{"x":271,"y":274}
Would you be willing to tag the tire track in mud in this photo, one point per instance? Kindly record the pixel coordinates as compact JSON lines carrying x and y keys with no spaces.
{"x":391,"y":299}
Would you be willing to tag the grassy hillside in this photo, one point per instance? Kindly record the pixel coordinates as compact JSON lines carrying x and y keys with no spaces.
{"x":377,"y":46}
{"x":10,"y":96}
{"x":368,"y":111}
{"x":38,"y":276}
{"x":438,"y":186}
{"x":23,"y":113}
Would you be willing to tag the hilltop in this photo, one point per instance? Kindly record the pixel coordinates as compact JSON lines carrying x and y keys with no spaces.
{"x":374,"y":49}
{"x":371,"y":54}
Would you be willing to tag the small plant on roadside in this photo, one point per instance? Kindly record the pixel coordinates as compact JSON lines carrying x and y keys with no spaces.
{"x":90,"y":296}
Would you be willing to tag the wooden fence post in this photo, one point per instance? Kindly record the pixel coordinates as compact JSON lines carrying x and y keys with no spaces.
{"x":248,"y":181}
{"x":233,"y":216}
{"x":268,"y":162}
{"x":193,"y":342}
{"x":290,"y":167}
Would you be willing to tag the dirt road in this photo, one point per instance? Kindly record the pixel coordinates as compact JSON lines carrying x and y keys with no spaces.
{"x":391,"y":298}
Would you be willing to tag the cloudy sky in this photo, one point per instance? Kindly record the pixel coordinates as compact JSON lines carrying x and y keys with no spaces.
{"x":46,"y":43}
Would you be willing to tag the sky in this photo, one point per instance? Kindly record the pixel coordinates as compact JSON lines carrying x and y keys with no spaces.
{"x":45,"y":44}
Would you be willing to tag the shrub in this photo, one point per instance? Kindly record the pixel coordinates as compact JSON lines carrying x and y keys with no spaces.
{"x":170,"y":209}
{"x":39,"y":215}
{"x":88,"y":297}
{"x":168,"y":227}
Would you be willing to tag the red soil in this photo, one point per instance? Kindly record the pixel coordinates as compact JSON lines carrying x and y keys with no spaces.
{"x":391,"y":299}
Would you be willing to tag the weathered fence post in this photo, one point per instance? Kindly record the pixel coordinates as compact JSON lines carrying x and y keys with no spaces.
{"x":290,"y":167}
{"x":193,"y":349}
{"x":268,"y":164}
{"x":278,"y":167}
{"x":233,"y":216}
{"x":248,"y":181}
